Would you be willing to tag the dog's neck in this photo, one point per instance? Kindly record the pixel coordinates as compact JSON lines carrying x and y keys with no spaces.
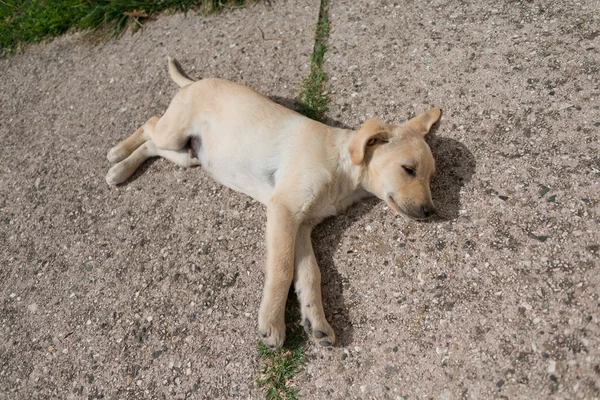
{"x":348,"y":185}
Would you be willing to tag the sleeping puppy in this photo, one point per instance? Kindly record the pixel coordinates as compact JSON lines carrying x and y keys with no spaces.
{"x":302,"y":170}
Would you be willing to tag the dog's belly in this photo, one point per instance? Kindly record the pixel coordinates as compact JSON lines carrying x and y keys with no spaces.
{"x":254,"y":174}
{"x":248,"y":183}
{"x":247,"y":154}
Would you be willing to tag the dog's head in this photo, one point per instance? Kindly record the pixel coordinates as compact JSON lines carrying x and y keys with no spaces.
{"x":397,"y":162}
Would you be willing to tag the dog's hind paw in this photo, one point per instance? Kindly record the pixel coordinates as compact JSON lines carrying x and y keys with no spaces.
{"x":117,"y":174}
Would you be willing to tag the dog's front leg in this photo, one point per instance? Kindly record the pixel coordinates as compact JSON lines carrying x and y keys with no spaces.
{"x":279,"y":273}
{"x":307,"y":280}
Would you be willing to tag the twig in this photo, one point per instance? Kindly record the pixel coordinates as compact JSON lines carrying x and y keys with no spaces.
{"x":10,"y":5}
{"x":263,"y":35}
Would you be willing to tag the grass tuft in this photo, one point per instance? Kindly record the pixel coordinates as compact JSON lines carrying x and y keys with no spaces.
{"x":29,"y":21}
{"x":313,"y":102}
{"x":280,"y":366}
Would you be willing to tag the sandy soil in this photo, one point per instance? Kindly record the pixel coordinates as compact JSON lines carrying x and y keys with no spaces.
{"x":151,"y":290}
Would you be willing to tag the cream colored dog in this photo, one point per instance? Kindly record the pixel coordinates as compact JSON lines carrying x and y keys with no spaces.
{"x":302,"y":170}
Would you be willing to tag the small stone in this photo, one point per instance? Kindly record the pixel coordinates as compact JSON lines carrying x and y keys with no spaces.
{"x":536,"y":320}
{"x":149,"y":318}
{"x":446,"y":395}
{"x":540,"y":238}
{"x":32,"y":308}
{"x":156,"y":354}
{"x":369,"y":228}
{"x":552,"y":367}
{"x":357,"y":349}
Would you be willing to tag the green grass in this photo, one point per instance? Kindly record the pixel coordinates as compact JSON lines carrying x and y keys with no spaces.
{"x":29,"y":21}
{"x":280,"y":366}
{"x":313,"y":102}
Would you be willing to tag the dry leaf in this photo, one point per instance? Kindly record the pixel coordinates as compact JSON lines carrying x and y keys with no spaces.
{"x":136,"y":13}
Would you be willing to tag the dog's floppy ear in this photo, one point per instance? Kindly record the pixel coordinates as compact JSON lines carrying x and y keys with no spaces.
{"x":365,"y":136}
{"x":423,"y":122}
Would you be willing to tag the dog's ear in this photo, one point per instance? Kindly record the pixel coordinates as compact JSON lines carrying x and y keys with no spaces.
{"x":423,"y":122}
{"x":365,"y":136}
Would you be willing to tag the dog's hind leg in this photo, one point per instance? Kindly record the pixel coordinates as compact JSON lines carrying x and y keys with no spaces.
{"x":121,"y":171}
{"x":124,"y":149}
{"x":307,"y":282}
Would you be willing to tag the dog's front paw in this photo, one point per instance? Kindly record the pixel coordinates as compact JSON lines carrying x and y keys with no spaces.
{"x":271,"y":332}
{"x":319,"y":329}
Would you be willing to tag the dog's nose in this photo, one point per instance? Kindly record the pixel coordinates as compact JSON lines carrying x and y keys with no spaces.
{"x":427,"y":210}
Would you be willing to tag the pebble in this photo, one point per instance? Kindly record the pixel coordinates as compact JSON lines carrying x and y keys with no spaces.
{"x":445,"y":395}
{"x":552,"y":367}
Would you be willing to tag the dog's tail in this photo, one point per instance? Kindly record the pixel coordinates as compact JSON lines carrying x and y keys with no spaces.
{"x":178,"y":77}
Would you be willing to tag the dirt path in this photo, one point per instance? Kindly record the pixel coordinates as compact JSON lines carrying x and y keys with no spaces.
{"x":151,"y":290}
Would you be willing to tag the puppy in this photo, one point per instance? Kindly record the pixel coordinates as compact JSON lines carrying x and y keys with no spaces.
{"x":302,"y":170}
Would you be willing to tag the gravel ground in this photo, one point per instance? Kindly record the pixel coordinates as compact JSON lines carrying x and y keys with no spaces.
{"x":151,"y":290}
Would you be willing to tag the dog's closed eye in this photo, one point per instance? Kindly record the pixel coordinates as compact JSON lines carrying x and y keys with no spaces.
{"x":409,"y":170}
{"x":374,"y":141}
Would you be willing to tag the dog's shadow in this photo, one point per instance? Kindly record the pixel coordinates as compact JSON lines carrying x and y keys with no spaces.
{"x":455,"y":166}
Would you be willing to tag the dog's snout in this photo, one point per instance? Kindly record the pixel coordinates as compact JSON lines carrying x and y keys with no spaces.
{"x":427,"y":211}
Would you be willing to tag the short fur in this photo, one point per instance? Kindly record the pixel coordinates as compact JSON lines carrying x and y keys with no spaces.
{"x":302,"y":170}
